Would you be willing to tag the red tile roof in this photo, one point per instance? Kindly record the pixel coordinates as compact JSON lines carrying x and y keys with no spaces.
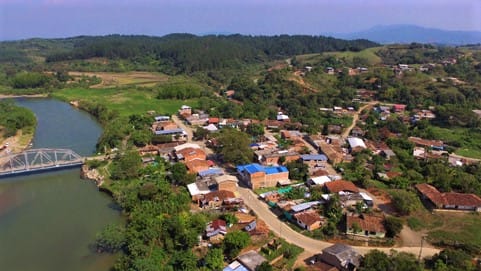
{"x":308,"y":217}
{"x":341,"y":185}
{"x":220,"y":195}
{"x":367,"y":223}
{"x":449,"y":198}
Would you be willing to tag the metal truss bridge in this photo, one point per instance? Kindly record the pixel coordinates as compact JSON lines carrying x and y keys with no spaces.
{"x":38,"y":160}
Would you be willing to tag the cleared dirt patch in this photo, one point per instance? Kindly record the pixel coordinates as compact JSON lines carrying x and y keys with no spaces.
{"x":111,"y":79}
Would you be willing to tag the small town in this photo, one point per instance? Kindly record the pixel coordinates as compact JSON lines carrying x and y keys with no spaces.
{"x":240,"y":135}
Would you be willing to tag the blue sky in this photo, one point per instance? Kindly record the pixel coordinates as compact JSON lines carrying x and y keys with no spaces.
{"x":64,"y":18}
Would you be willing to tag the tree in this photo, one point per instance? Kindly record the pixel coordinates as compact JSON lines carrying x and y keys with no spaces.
{"x":255,"y":129}
{"x":234,"y":242}
{"x":141,"y":138}
{"x":179,"y":173}
{"x":404,"y":201}
{"x":393,"y":226}
{"x":214,"y":259}
{"x":298,"y":170}
{"x":234,"y":146}
{"x":126,"y":166}
{"x":184,"y":260}
{"x":111,"y":238}
{"x":229,"y":218}
{"x":200,"y":133}
{"x":264,"y":266}
{"x":375,"y":260}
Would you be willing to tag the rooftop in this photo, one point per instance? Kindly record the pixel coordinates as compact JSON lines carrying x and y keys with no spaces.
{"x":251,"y":260}
{"x":255,"y":168}
{"x":341,"y":185}
{"x":367,"y":223}
{"x":449,"y":198}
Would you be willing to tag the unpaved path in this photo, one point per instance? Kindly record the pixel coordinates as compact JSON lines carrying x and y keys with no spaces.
{"x":355,"y":118}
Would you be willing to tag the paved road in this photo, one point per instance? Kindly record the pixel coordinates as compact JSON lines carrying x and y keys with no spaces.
{"x":310,"y":245}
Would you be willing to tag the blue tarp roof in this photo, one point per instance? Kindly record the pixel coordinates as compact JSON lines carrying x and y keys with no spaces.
{"x":315,"y":157}
{"x":254,"y":168}
{"x":211,"y":171}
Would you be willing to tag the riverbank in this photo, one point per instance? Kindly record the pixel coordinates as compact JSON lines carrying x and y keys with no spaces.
{"x":7,"y":96}
{"x":19,"y":142}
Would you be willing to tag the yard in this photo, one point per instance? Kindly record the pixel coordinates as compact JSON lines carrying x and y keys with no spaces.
{"x":448,"y":228}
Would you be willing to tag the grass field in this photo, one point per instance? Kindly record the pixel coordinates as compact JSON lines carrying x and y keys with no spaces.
{"x":458,"y":229}
{"x":368,"y":54}
{"x":125,"y":101}
{"x":111,"y":79}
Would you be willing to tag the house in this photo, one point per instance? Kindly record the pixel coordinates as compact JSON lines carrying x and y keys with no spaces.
{"x":314,"y":160}
{"x":365,"y":225}
{"x":164,"y":125}
{"x":251,"y":260}
{"x":319,"y":180}
{"x":399,"y":108}
{"x":216,"y":230}
{"x":197,"y":190}
{"x":196,"y":166}
{"x":211,"y":128}
{"x":403,"y":67}
{"x":335,"y":187}
{"x":235,"y":266}
{"x":330,"y":70}
{"x":334,"y":129}
{"x":356,"y":144}
{"x":309,"y":220}
{"x":185,"y":110}
{"x":213,"y":120}
{"x":341,"y":256}
{"x":448,"y":200}
{"x":213,"y":171}
{"x":190,"y":154}
{"x":348,"y":199}
{"x":256,"y":176}
{"x":357,"y":132}
{"x":197,"y":119}
{"x":268,"y":157}
{"x":434,"y":144}
{"x":220,"y":198}
{"x":226,"y":182}
{"x":282,"y":117}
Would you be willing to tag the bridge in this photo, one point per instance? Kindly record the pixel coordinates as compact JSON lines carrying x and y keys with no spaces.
{"x":38,"y":160}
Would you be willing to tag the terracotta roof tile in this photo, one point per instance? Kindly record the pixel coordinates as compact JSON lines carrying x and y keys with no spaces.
{"x":341,"y":185}
{"x":367,"y":223}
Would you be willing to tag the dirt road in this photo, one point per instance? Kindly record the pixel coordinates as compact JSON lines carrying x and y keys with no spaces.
{"x":355,"y":118}
{"x":310,"y":245}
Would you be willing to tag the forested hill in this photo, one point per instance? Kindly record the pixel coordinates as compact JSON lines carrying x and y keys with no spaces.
{"x":190,"y":53}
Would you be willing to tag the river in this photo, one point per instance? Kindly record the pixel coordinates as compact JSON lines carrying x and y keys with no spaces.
{"x":48,"y":221}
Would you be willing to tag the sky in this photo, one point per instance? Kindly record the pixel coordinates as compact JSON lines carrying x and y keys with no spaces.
{"x":20,"y":19}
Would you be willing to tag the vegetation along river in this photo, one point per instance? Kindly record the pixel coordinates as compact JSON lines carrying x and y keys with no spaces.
{"x":49,"y":221}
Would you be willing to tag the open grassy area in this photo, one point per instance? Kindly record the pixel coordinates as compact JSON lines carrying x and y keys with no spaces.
{"x":125,"y":101}
{"x":458,"y":229}
{"x":469,"y":141}
{"x":447,"y":228}
{"x":112,"y":79}
{"x":368,"y":54}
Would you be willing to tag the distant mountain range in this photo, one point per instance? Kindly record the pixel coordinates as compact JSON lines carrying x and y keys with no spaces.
{"x":412,"y":33}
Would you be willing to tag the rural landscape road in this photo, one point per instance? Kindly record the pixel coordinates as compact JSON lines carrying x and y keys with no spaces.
{"x":310,"y":245}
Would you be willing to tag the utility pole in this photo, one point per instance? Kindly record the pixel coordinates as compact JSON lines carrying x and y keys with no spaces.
{"x":421,"y":249}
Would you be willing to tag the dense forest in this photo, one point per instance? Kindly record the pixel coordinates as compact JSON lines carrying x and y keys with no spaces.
{"x":181,"y":53}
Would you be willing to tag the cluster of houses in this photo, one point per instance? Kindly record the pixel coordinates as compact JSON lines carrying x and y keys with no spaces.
{"x":338,"y":257}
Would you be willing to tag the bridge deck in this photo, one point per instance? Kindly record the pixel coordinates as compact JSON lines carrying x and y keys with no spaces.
{"x":38,"y":160}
